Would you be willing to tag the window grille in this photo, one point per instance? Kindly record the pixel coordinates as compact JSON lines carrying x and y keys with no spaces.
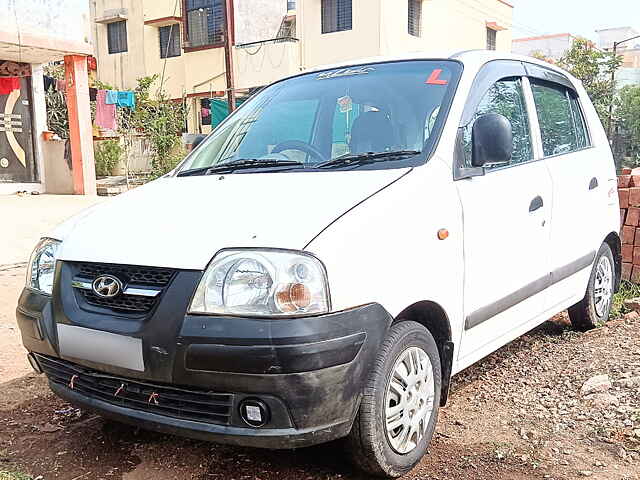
{"x":336,"y":15}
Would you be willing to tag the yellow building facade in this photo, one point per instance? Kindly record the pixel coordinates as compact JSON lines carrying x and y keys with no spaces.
{"x":275,"y":38}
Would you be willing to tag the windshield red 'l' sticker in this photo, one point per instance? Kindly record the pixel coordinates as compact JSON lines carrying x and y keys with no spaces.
{"x":434,"y":78}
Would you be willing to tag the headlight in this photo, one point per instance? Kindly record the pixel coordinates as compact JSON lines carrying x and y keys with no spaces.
{"x":42,"y":265}
{"x":262,"y":283}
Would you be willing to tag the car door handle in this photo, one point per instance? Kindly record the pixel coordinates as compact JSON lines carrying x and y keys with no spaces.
{"x":593,"y":183}
{"x":536,"y":204}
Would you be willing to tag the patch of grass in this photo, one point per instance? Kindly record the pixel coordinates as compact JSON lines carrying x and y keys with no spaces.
{"x":627,"y":291}
{"x":502,"y":450}
{"x":5,"y":475}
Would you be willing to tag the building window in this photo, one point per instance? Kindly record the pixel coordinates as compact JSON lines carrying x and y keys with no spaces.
{"x":336,"y":15}
{"x":117,"y":36}
{"x":169,"y":41}
{"x":415,"y":17}
{"x":205,"y":22}
{"x":291,"y":4}
{"x":491,"y":39}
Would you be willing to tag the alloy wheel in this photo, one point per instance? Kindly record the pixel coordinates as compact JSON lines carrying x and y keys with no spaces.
{"x":603,"y":286}
{"x":409,"y":400}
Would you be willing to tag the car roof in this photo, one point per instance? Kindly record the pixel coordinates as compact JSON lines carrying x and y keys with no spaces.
{"x":470,"y":58}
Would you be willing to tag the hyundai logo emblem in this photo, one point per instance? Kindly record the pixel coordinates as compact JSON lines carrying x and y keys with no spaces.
{"x":106,"y":286}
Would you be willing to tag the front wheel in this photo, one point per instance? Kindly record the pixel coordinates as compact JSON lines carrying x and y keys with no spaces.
{"x":399,"y":408}
{"x":594,"y":308}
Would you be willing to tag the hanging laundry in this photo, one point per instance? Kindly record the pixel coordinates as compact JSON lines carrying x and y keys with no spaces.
{"x":9,"y":84}
{"x":92,"y":94}
{"x":205,"y":112}
{"x":105,"y":113}
{"x":111,"y":97}
{"x":61,"y":85}
{"x":126,"y":99}
{"x":49,"y":82}
{"x":92,"y":63}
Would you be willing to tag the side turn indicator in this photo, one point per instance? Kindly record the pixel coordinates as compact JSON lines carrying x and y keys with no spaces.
{"x":443,"y":234}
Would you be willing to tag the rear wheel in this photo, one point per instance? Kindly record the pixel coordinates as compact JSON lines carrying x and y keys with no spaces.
{"x":594,"y":308}
{"x":399,"y":408}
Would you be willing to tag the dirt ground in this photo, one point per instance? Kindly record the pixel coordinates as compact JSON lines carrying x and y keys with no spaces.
{"x":523,"y":412}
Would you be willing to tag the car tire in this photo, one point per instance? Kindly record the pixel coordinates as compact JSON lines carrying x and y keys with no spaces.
{"x":371,"y":447}
{"x":593,"y":310}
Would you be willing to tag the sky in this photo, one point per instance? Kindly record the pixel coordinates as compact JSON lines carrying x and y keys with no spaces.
{"x":578,"y":17}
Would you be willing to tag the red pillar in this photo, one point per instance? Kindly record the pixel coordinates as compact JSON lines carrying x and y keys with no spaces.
{"x":80,"y":132}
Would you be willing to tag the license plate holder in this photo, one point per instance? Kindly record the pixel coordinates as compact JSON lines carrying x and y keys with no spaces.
{"x":100,"y":347}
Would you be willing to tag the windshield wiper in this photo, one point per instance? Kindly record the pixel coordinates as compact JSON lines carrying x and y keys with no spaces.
{"x":364,"y":158}
{"x":241,"y":163}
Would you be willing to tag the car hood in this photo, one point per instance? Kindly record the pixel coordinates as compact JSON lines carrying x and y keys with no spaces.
{"x":181,"y":222}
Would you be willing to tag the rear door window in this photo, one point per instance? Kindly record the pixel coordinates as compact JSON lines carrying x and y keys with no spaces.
{"x":561,"y":123}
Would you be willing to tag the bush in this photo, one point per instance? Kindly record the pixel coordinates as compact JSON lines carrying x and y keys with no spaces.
{"x":107,"y":155}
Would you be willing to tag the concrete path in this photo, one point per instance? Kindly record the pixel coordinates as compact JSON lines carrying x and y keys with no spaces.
{"x":26,"y":219}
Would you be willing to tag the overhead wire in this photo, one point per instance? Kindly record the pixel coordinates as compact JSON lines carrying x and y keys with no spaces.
{"x":166,"y":53}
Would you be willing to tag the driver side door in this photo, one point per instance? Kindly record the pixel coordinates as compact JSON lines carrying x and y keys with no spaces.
{"x":506,"y":221}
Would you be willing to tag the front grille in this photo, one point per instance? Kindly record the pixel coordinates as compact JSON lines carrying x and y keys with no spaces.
{"x":187,"y":404}
{"x":130,"y":275}
{"x":151,"y":276}
{"x":128,"y":303}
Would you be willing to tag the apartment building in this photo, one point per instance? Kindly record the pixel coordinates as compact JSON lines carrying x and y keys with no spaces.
{"x":551,"y":46}
{"x":183,"y":40}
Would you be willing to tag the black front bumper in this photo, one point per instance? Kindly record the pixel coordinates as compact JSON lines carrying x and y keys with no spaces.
{"x":308,"y":371}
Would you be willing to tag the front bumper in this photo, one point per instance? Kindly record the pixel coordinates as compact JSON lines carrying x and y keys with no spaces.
{"x":308,"y":371}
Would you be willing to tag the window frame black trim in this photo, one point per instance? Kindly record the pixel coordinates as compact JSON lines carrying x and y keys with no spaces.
{"x":490,"y":31}
{"x":110,"y":25}
{"x":338,"y":29}
{"x":177,"y":44}
{"x":417,"y":26}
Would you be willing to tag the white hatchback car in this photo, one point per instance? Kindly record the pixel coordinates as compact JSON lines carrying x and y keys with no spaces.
{"x":323,"y":263}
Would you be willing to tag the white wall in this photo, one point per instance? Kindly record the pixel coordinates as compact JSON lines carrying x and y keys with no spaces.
{"x":362,"y":41}
{"x":608,"y":36}
{"x":550,"y":46}
{"x":257,"y":20}
{"x":37,"y":31}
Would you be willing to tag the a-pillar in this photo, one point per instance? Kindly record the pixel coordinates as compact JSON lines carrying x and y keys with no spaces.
{"x":80,"y":131}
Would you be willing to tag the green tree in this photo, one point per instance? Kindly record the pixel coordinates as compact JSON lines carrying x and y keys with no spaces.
{"x":594,"y":68}
{"x":628,"y":118}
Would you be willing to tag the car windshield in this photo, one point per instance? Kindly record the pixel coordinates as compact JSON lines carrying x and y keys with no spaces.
{"x":382,"y":115}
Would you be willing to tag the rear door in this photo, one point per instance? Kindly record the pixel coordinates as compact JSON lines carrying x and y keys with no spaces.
{"x":506,"y":215}
{"x":579,"y":186}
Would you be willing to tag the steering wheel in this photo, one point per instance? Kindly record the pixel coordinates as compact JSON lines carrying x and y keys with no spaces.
{"x":301,"y":146}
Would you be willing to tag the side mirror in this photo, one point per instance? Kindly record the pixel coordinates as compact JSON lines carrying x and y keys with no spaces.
{"x":492,"y":140}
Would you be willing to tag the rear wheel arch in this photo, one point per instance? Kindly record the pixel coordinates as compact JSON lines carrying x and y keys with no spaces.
{"x":434,"y":318}
{"x":613,"y":240}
